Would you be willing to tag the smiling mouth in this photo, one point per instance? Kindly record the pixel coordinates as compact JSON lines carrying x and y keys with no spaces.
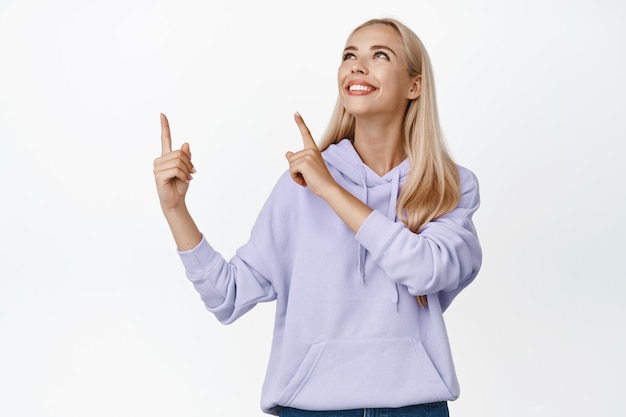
{"x":359,"y":87}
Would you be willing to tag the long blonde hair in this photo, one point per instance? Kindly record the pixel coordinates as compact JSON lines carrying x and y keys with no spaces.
{"x":432,"y":187}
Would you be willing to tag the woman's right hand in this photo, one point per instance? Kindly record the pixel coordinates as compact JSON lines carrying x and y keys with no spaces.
{"x":172,"y":171}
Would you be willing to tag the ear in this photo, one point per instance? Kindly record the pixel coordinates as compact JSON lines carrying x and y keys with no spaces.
{"x":416,"y":88}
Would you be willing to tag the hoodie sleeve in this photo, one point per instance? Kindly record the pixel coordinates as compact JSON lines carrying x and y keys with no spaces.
{"x":231,"y":288}
{"x":228,"y":289}
{"x":443,"y":258}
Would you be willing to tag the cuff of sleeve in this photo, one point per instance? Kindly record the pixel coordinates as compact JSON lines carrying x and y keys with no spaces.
{"x":374,"y":232}
{"x":198,"y":260}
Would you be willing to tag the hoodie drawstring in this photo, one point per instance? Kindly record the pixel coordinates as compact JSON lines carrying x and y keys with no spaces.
{"x":393,"y":199}
{"x":391,"y":214}
{"x":361,"y":252}
{"x":393,"y":195}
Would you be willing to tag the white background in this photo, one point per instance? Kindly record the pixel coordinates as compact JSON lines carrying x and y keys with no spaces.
{"x":96,"y":316}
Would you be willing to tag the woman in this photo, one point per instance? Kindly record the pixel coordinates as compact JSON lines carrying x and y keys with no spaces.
{"x":351,"y":234}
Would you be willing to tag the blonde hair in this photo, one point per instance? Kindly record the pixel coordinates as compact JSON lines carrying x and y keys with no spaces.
{"x":432,"y":187}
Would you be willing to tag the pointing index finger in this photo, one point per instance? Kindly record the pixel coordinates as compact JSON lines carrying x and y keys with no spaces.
{"x":307,"y":138}
{"x":166,"y":138}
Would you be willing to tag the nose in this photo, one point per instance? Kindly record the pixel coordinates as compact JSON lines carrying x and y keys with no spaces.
{"x":358,"y":67}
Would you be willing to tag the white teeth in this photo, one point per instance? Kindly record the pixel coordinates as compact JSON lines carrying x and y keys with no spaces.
{"x":358,"y":87}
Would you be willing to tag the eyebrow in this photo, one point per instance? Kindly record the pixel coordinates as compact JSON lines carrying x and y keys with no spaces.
{"x":372,"y":48}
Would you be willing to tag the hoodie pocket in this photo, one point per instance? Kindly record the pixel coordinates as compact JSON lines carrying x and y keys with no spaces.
{"x":340,"y":374}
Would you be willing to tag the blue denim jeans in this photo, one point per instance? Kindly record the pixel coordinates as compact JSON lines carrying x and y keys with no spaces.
{"x":438,"y":409}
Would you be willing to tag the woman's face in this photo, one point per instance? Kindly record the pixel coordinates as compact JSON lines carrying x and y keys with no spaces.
{"x":373,"y":76}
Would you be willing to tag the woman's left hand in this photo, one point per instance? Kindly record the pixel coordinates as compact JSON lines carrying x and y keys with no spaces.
{"x":307,"y":167}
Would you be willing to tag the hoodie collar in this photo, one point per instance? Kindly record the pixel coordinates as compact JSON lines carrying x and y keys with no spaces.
{"x":346,"y":160}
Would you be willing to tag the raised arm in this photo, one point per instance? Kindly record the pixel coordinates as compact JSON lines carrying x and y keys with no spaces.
{"x":308,"y":169}
{"x":172,"y":173}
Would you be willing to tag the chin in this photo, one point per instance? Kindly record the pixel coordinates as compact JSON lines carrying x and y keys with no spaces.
{"x":356,"y":111}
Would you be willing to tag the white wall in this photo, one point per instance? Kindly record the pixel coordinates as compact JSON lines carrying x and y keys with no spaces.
{"x":96,"y":317}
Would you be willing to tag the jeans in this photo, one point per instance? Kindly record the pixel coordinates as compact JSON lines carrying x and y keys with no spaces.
{"x":438,"y":409}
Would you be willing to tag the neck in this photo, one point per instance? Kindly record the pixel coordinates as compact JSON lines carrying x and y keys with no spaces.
{"x":381,"y":147}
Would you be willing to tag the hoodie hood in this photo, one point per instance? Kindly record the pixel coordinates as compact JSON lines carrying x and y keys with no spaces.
{"x":371,"y":189}
{"x":343,"y":157}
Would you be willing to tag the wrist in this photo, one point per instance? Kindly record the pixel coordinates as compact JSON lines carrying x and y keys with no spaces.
{"x":333,"y":191}
{"x":349,"y":208}
{"x":174,"y":211}
{"x":183,"y":227}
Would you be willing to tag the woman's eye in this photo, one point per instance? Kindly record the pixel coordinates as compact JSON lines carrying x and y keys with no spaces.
{"x":348,"y":55}
{"x":381,"y":54}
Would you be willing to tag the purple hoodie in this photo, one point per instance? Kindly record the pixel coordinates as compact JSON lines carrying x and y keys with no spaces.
{"x":348,"y":331}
